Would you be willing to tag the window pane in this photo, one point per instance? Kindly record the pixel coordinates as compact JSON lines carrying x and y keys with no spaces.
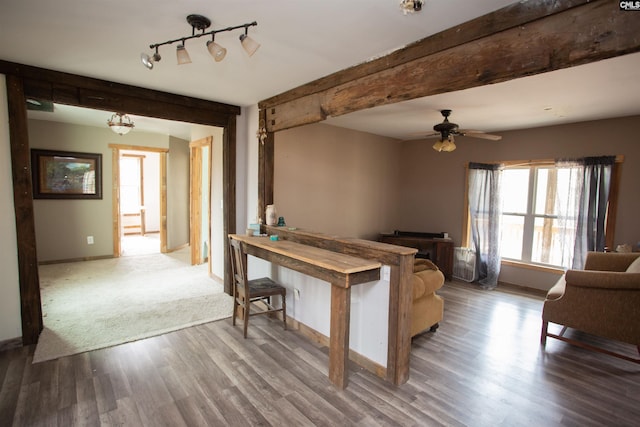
{"x":512,"y":228}
{"x":515,"y":187}
{"x":544,"y":200}
{"x":549,"y":239}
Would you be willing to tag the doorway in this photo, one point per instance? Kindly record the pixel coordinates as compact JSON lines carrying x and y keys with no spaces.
{"x":139,"y":202}
{"x":127,"y":98}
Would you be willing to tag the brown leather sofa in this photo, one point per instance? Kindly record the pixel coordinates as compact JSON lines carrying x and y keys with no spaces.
{"x":603,"y":300}
{"x":428,"y":307}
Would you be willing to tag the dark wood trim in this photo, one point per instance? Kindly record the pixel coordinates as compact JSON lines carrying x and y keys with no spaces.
{"x":266,"y":156}
{"x":229,"y":193}
{"x":72,"y":89}
{"x":26,"y":81}
{"x":520,"y":40}
{"x":30,"y":305}
{"x":400,"y":303}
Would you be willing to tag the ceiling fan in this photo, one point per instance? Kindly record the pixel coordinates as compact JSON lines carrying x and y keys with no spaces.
{"x":448,"y":130}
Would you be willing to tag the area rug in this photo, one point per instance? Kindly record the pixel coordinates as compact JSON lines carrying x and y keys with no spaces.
{"x":98,"y":304}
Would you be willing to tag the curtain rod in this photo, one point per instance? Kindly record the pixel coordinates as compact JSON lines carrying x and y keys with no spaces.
{"x":541,"y":162}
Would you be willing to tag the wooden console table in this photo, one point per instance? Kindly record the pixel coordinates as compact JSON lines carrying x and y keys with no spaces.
{"x":438,"y":250}
{"x":342,"y":271}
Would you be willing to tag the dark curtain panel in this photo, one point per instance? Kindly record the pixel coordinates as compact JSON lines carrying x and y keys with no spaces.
{"x":592,"y":195}
{"x":485,"y":208}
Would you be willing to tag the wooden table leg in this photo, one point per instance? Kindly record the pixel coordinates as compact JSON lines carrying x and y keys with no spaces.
{"x":339,"y":335}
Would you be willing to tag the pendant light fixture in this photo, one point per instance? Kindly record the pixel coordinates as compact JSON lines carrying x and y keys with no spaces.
{"x":120,"y":123}
{"x":201,"y":23}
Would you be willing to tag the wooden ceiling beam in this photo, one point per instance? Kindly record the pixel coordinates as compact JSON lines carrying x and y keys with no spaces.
{"x":520,"y":40}
{"x":71,"y":89}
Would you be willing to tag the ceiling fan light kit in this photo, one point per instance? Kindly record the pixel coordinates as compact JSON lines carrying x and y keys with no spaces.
{"x":448,"y":130}
{"x":201,"y":23}
{"x":411,"y":6}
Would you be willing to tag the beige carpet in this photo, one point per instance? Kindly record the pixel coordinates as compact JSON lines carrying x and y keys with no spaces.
{"x":97,"y":304}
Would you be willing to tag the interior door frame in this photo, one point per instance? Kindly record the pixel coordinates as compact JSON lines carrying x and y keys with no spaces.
{"x":195,"y":198}
{"x":24,"y":81}
{"x":115,"y":161}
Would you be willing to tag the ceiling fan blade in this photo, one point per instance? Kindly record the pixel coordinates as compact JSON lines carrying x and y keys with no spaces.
{"x":479,"y":134}
{"x":417,"y":135}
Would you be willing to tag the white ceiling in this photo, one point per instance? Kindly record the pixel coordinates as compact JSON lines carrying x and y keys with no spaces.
{"x":301,"y":41}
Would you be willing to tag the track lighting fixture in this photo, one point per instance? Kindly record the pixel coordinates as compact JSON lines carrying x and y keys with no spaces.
{"x":201,"y":23}
{"x":120,"y":123}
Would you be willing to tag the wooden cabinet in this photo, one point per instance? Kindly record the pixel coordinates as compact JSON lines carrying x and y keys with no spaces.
{"x":438,"y":249}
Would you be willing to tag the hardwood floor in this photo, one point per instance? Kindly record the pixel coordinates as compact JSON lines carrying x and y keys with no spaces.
{"x":483,"y":367}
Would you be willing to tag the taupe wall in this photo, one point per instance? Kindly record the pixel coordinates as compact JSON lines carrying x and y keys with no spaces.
{"x":440,"y":176}
{"x":336,"y":181}
{"x":354,"y":184}
{"x":62,"y":226}
{"x":10,"y":320}
{"x":177,"y":193}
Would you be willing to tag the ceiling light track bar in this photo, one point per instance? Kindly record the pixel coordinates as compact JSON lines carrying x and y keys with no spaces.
{"x":201,"y":23}
{"x":208,"y":33}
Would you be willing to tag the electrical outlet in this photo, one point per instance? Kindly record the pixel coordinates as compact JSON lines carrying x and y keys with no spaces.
{"x":89,"y":240}
{"x":296,"y":293}
{"x":386,"y":272}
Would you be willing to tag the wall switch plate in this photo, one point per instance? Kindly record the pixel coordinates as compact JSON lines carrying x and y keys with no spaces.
{"x":296,"y":293}
{"x":89,"y":240}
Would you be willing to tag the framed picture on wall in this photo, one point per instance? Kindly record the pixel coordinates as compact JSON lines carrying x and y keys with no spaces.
{"x":66,"y":175}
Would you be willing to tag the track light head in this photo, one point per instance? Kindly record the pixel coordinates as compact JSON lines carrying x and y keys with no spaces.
{"x":148,"y":61}
{"x":182,"y":55}
{"x":250,"y":45}
{"x":218,"y":52}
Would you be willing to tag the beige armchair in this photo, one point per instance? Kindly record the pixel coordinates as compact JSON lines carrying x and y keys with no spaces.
{"x":603,"y":300}
{"x":428,"y":307}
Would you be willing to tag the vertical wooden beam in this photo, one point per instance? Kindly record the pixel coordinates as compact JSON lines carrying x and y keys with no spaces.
{"x":30,"y":304}
{"x":399,"y":340}
{"x":229,"y":193}
{"x":339,"y":335}
{"x":266,"y":156}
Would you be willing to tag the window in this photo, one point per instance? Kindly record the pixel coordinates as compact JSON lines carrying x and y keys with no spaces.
{"x":545,"y":219}
{"x":530,"y":222}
